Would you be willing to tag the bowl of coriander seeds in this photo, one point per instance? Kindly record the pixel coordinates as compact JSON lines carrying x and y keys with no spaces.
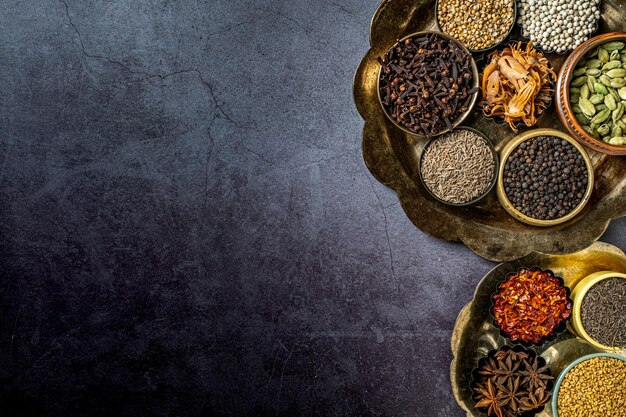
{"x":459,"y":168}
{"x":480,"y":25}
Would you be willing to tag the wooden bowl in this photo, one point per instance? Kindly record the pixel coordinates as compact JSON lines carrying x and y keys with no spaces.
{"x":564,"y":107}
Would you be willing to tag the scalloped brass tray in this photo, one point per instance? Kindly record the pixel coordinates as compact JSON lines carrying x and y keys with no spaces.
{"x":392,"y":156}
{"x":474,"y":334}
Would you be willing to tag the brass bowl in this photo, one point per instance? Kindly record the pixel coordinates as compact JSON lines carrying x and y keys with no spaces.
{"x":475,"y":84}
{"x":578,"y":295}
{"x":531,"y":353}
{"x":495,"y":45}
{"x":561,"y":377}
{"x":494,"y":153}
{"x":562,"y":326}
{"x":538,"y":115}
{"x":506,"y":152}
{"x":564,"y":107}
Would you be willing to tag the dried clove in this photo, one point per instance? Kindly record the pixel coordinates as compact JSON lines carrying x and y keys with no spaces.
{"x":426,"y":84}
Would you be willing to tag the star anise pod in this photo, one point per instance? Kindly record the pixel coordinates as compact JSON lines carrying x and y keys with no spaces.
{"x":510,"y":395}
{"x":507,"y":369}
{"x":535,"y":399}
{"x":488,"y":398}
{"x":533,"y":375}
{"x":489,"y":369}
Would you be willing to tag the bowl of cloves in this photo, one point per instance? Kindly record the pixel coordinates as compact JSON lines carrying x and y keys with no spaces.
{"x":427,"y":83}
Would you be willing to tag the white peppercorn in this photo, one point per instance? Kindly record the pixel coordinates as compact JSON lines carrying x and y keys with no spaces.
{"x":558,"y":25}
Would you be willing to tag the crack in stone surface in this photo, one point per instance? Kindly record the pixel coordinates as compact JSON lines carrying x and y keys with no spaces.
{"x":391,"y":260}
{"x":147,"y":75}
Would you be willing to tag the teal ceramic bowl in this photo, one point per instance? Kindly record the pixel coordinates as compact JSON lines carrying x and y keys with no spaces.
{"x":557,"y":385}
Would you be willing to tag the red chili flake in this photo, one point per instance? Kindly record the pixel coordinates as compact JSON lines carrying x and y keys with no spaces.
{"x":530,"y":304}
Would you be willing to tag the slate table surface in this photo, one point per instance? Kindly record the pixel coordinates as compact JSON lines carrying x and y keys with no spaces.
{"x":187,"y":227}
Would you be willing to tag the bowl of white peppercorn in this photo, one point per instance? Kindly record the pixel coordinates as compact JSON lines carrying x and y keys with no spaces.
{"x":558,"y":26}
{"x":591,"y":93}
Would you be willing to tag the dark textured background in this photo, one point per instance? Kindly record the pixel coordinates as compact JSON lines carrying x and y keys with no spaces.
{"x":187,"y":225}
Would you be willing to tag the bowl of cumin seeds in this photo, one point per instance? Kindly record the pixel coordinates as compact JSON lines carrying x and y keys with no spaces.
{"x":459,"y":168}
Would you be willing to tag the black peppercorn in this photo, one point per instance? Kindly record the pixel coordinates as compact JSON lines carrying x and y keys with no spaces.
{"x":545,"y":188}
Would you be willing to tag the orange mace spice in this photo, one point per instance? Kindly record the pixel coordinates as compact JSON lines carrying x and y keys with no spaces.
{"x":530,"y":305}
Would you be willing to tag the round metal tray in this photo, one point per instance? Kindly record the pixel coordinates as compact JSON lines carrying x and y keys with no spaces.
{"x":392,"y":155}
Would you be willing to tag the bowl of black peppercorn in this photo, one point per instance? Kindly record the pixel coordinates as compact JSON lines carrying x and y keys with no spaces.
{"x":428,"y":83}
{"x":545,"y":177}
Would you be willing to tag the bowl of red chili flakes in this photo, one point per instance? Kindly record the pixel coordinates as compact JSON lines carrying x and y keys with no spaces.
{"x":531,"y":306}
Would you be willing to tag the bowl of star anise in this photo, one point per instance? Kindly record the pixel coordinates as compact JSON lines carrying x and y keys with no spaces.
{"x":511,"y":382}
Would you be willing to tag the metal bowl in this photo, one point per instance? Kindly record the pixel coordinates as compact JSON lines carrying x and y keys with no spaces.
{"x":520,"y":124}
{"x":559,"y":380}
{"x":555,"y":332}
{"x":564,"y":107}
{"x":531,"y":353}
{"x":475,"y":84}
{"x":480,"y":51}
{"x":506,"y":152}
{"x":578,"y":295}
{"x":495,"y":169}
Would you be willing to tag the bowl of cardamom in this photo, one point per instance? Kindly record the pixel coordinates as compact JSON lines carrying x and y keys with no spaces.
{"x":591,"y":93}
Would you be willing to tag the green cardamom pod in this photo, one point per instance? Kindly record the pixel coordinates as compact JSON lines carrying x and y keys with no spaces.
{"x":621,"y":92}
{"x":611,"y":65}
{"x":593,"y":71}
{"x":609,"y":101}
{"x":620,"y":124}
{"x":601,"y":116}
{"x":591,"y":81}
{"x":579,"y":71}
{"x":584,"y":91}
{"x":600,"y":89}
{"x":604,"y":129}
{"x":596,"y":98}
{"x":616,"y":73}
{"x":618,"y":82}
{"x":582,"y":119}
{"x":586,"y":107}
{"x":617,"y":131}
{"x":623,"y":119}
{"x":618,"y":112}
{"x":573,"y":98}
{"x":603,"y":55}
{"x":579,"y":81}
{"x":618,"y":140}
{"x":576,"y":108}
{"x":614,"y":55}
{"x":574,"y":90}
{"x":605,"y":80}
{"x":594,"y":63}
{"x":600,"y":106}
{"x":613,"y":92}
{"x":613,"y":46}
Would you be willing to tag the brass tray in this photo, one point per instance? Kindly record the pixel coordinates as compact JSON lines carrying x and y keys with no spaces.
{"x":474,"y":334}
{"x":392,"y":156}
